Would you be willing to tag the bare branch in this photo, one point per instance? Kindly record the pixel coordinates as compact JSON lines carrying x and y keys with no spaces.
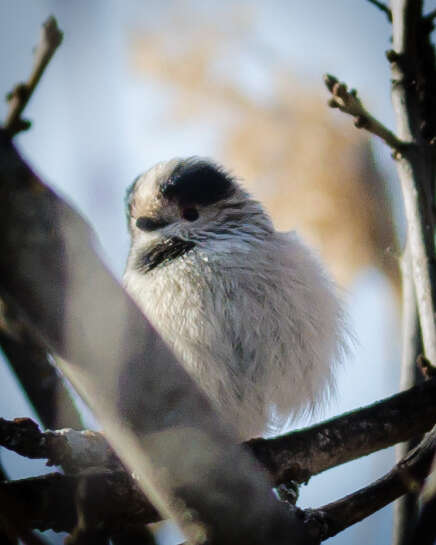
{"x":430,"y":15}
{"x":51,"y":37}
{"x":113,"y":500}
{"x":73,"y":450}
{"x":405,"y":477}
{"x":295,"y":456}
{"x":49,"y":502}
{"x":415,"y":166}
{"x":383,"y":7}
{"x":349,"y":103}
{"x":413,"y":94}
{"x":301,"y":454}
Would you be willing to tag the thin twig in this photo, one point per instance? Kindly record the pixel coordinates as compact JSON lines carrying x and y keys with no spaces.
{"x":382,"y":7}
{"x":349,"y":103}
{"x":406,"y":476}
{"x":430,"y":15}
{"x":299,"y":455}
{"x":51,"y":37}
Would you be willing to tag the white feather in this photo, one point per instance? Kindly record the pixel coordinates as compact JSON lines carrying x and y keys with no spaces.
{"x":250,"y":312}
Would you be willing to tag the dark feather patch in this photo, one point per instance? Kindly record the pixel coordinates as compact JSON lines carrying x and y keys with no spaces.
{"x":163,"y":253}
{"x":196,"y":182}
{"x":150,"y":224}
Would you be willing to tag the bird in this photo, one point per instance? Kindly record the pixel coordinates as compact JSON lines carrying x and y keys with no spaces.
{"x":250,"y":312}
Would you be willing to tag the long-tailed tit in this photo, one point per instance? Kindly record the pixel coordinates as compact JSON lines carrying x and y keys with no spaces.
{"x":249,"y":311}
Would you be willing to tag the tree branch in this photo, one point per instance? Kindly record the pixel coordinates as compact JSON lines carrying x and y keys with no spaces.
{"x":413,"y":94}
{"x":383,"y":7}
{"x":349,"y":103}
{"x":42,"y":383}
{"x":51,"y":37}
{"x":296,"y":456}
{"x":29,"y":358}
{"x":430,"y":15}
{"x":301,"y":454}
{"x":113,"y":501}
{"x":73,"y":450}
{"x":49,"y":502}
{"x":406,"y":476}
{"x":416,"y":164}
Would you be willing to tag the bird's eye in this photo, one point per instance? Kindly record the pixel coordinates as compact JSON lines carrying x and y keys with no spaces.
{"x":190,"y":214}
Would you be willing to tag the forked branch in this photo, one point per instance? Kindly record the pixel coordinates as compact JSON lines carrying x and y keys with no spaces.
{"x":348,"y":102}
{"x":406,"y":476}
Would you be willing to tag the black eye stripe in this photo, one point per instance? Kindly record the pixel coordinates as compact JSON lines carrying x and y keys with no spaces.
{"x":150,"y":224}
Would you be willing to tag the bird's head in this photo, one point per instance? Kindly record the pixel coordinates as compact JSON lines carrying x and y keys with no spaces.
{"x":194,"y":199}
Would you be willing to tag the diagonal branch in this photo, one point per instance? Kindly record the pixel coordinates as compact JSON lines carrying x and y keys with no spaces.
{"x":406,"y":476}
{"x":42,"y":383}
{"x":301,"y":454}
{"x":349,"y":103}
{"x":52,"y":276}
{"x":51,"y":37}
{"x":28,"y":357}
{"x":51,"y":272}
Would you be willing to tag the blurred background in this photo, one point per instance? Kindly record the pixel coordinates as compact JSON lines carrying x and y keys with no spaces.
{"x":138,"y":81}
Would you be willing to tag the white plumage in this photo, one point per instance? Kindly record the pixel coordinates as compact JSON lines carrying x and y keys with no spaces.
{"x":249,"y":311}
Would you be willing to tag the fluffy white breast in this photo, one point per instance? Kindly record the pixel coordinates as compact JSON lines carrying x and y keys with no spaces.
{"x":254,"y":319}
